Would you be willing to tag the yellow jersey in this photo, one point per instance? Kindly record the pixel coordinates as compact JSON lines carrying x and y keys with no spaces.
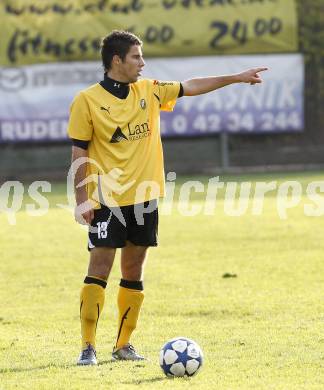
{"x":125,"y":157}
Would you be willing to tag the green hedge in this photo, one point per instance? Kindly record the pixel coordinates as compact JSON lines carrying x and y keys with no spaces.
{"x":311,"y":43}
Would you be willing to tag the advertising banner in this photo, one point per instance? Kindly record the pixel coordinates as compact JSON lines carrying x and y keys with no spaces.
{"x":36,"y":98}
{"x":41,"y":31}
{"x":276,"y":105}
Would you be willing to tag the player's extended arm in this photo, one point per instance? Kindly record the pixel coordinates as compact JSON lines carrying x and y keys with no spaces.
{"x":202,"y":85}
{"x":81,"y":195}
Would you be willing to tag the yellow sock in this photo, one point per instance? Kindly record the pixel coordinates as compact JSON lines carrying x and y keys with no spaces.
{"x":129,"y":304}
{"x":92,"y":299}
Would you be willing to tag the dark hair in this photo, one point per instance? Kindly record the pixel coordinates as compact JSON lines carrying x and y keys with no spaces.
{"x":117,"y":43}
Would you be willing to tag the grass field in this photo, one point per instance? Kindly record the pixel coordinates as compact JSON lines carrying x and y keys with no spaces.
{"x":263,"y":329}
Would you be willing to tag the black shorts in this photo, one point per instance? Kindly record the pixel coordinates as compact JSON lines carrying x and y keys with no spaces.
{"x":112,"y":227}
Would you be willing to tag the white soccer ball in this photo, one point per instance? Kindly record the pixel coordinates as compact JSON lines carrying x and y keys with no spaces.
{"x":181,"y":357}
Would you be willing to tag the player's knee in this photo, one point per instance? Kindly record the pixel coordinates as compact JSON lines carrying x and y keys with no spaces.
{"x":99,"y":268}
{"x":101,"y":261}
{"x":132,"y":271}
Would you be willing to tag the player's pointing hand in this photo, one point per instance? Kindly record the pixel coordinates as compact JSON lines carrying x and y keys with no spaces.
{"x":251,"y":76}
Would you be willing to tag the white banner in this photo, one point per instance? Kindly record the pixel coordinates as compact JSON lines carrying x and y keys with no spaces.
{"x":35,"y":99}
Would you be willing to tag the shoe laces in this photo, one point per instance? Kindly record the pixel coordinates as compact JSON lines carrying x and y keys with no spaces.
{"x":86,"y":353}
{"x":129,"y":346}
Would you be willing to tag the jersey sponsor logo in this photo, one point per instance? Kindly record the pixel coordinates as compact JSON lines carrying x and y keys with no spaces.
{"x":138,"y":131}
{"x":135,"y":132}
{"x":143,"y":104}
{"x":162,"y":83}
{"x":118,"y":136}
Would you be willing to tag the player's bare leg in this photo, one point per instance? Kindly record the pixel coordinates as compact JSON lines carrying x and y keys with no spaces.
{"x":130,"y":298}
{"x":132,"y":261}
{"x":101,"y":261}
{"x":92,"y":299}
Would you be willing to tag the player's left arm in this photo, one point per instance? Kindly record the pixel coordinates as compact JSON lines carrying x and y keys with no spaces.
{"x":202,"y":85}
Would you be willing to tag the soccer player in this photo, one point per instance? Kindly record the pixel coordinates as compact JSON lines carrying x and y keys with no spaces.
{"x":115,"y":128}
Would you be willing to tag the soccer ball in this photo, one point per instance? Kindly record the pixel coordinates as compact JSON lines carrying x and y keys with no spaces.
{"x":181,"y":357}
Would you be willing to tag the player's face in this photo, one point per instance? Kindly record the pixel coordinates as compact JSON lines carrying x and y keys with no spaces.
{"x":130,"y":69}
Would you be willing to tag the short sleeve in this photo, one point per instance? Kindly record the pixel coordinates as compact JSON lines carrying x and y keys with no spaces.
{"x":80,"y":124}
{"x":167,"y":92}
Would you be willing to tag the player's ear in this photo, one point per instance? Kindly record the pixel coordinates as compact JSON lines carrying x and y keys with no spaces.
{"x":116,"y":60}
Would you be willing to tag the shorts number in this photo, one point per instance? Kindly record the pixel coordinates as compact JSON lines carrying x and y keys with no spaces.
{"x":102,"y":229}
